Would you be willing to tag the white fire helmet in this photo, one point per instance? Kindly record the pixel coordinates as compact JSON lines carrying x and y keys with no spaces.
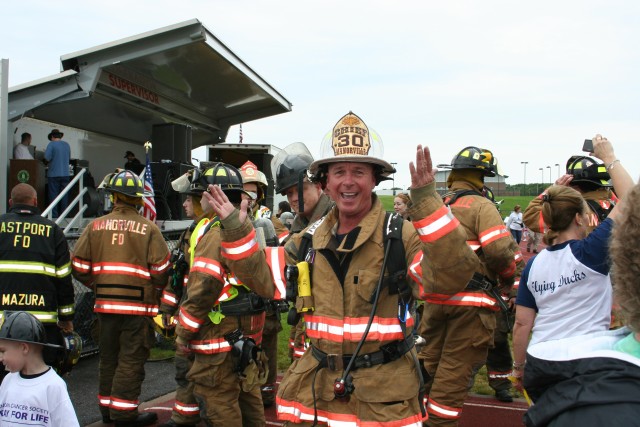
{"x":351,"y":140}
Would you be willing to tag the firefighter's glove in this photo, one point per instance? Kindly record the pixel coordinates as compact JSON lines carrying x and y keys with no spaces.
{"x":255,"y":373}
{"x":167,"y":321}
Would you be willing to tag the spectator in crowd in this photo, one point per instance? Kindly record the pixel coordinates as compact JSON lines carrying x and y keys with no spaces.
{"x":21,"y":151}
{"x":514,"y":223}
{"x":566,"y":289}
{"x":33,"y":390}
{"x":133,"y":164}
{"x":533,"y":241}
{"x":593,"y":380}
{"x":285,"y":214}
{"x":57,"y":156}
{"x":401,"y":205}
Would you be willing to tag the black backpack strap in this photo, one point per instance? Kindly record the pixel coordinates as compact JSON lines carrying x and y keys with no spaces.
{"x":601,"y":212}
{"x":397,"y":262}
{"x":451,"y":197}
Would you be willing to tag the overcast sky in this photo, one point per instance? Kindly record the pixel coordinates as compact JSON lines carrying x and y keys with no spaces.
{"x":527,"y":80}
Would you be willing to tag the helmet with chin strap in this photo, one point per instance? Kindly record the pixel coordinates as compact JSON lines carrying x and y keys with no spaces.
{"x":251,"y":174}
{"x":290,"y":171}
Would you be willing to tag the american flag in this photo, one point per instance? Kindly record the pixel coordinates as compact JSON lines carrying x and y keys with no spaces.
{"x":149,"y":207}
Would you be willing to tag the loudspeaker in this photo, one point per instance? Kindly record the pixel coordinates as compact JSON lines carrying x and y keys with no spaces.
{"x":171,"y":142}
{"x":168,"y":201}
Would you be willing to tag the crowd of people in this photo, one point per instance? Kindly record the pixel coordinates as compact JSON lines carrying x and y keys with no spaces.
{"x":349,"y":276}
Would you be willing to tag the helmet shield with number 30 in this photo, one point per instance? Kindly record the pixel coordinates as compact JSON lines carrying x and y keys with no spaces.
{"x":351,"y":140}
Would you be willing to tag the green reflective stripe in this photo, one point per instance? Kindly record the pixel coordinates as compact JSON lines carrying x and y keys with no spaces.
{"x":64,"y":270}
{"x":67,"y":309}
{"x":43,"y":316}
{"x":28,"y":267}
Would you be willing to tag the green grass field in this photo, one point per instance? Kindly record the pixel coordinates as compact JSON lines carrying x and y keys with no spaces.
{"x":505,"y":207}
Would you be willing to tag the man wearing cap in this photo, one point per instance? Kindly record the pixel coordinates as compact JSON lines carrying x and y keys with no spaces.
{"x":133,"y":164}
{"x":350,"y":307}
{"x":57,"y":156}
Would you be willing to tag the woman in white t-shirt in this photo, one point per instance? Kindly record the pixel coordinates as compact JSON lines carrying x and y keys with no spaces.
{"x":514,"y":223}
{"x":565,"y":290}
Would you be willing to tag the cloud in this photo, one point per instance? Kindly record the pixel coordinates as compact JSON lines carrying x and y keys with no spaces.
{"x":528,"y":80}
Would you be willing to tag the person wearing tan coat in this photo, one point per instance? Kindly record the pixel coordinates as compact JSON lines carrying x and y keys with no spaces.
{"x":362,"y":366}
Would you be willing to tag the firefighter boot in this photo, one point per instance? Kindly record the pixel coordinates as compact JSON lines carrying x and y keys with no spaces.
{"x":504,"y":396}
{"x":268,"y":392}
{"x":144,"y":419}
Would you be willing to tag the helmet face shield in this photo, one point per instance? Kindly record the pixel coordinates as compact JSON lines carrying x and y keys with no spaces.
{"x":291,"y":171}
{"x":71,"y":354}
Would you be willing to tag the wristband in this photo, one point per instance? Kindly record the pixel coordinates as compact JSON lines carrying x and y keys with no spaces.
{"x":518,"y":366}
{"x":612,"y":164}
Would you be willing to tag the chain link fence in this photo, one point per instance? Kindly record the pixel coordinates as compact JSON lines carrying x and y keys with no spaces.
{"x":84,"y":320}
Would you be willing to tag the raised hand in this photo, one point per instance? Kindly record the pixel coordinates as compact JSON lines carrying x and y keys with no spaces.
{"x":221,"y":205}
{"x":423,"y":172}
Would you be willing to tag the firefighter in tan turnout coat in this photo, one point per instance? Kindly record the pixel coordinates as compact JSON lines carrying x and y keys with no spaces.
{"x":345,"y":256}
{"x":459,"y":315}
{"x":125,"y":258}
{"x":222,"y":318}
{"x":309,"y":205}
{"x":186,"y":411}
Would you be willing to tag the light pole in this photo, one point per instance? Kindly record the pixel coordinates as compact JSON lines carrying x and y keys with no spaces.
{"x":504,"y":182}
{"x":558,"y":165}
{"x":393,"y":179}
{"x":542,"y":177}
{"x":549,"y":167}
{"x":525,"y":176}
